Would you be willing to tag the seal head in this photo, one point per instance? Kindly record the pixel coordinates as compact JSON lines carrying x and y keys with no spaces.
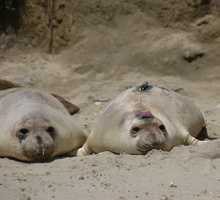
{"x":149,"y":131}
{"x":36,"y":136}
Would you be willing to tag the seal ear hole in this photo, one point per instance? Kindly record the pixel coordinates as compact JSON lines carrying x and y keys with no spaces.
{"x":50,"y":130}
{"x":162,"y":128}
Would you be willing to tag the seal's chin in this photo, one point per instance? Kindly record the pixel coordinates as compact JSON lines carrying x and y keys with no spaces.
{"x":145,"y":149}
{"x":142,"y":151}
{"x":38,"y":157}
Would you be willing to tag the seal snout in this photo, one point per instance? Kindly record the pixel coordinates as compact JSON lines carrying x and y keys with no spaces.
{"x":39,"y":140}
{"x":146,"y":144}
{"x":38,"y":147}
{"x":43,"y":148}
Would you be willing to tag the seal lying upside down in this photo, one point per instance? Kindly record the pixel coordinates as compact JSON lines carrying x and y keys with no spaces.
{"x":143,"y":118}
{"x":35,"y":125}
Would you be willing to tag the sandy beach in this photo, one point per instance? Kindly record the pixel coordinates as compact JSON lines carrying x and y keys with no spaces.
{"x":120,"y":43}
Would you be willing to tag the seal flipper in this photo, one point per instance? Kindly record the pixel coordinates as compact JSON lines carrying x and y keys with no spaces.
{"x":191,"y":140}
{"x":72,"y":153}
{"x":4,"y":84}
{"x":84,"y":150}
{"x":72,"y":109}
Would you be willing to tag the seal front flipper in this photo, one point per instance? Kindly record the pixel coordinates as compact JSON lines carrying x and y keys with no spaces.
{"x":72,"y":153}
{"x":191,"y":140}
{"x":72,"y":109}
{"x":4,"y":84}
{"x":84,"y":150}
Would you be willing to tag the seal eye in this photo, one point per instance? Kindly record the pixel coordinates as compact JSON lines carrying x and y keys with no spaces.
{"x":50,"y":130}
{"x":162,"y":128}
{"x":135,"y":130}
{"x":23,"y":131}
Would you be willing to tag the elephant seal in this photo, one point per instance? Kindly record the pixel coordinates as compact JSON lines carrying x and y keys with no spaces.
{"x":36,"y":126}
{"x":142,"y":118}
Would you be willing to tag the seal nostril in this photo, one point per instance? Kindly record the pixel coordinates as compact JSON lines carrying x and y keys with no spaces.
{"x":39,"y":140}
{"x":154,"y":143}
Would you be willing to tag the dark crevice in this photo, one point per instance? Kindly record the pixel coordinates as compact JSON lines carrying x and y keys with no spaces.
{"x":10,"y":15}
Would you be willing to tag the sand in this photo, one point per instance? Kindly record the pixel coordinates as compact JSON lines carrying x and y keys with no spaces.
{"x":92,"y":72}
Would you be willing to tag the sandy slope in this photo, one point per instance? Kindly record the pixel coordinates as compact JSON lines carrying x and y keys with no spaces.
{"x":109,"y":56}
{"x":106,"y":175}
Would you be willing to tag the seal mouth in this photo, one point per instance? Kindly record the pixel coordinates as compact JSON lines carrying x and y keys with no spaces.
{"x":38,"y":157}
{"x":37,"y":154}
{"x":144,"y":152}
{"x":147,"y":148}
